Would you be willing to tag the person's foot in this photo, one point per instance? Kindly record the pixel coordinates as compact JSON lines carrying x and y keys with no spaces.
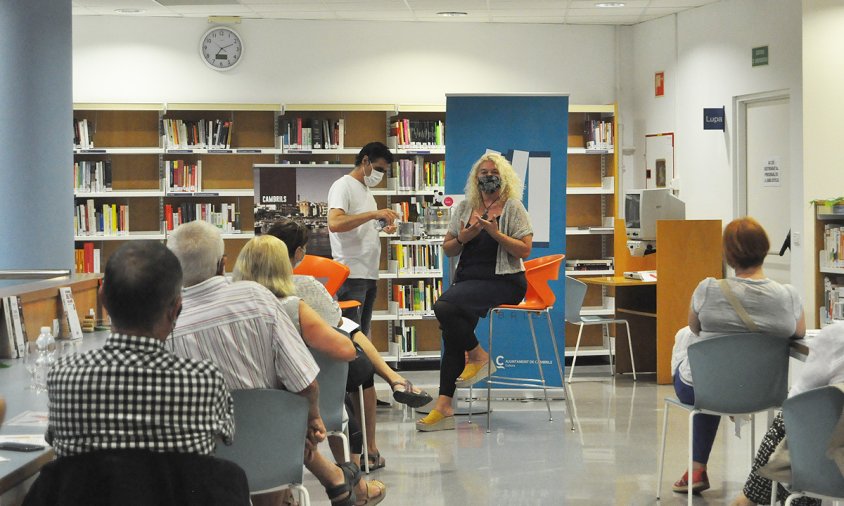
{"x":475,"y":372}
{"x":370,"y":492}
{"x":405,"y":393}
{"x":435,"y":421}
{"x":742,"y":500}
{"x":376,"y":461}
{"x":700,"y":482}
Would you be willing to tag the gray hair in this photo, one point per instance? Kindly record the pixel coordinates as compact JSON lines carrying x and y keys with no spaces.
{"x":199,"y":247}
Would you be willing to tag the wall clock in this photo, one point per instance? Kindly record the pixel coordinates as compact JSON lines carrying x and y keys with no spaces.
{"x":221,"y":48}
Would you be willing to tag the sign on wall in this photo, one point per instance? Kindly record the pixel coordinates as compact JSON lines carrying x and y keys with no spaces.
{"x":759,"y":56}
{"x":659,"y":84}
{"x":713,"y":118}
{"x":772,"y":172}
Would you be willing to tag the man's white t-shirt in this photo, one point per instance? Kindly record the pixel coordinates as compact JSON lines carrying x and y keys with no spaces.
{"x":360,"y":248}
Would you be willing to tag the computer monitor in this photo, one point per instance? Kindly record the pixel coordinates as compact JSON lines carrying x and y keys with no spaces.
{"x":642,"y":209}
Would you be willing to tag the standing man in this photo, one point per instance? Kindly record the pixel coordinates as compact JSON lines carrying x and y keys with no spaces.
{"x":353,"y":222}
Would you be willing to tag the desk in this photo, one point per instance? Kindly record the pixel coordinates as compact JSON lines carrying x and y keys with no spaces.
{"x":13,"y":383}
{"x":635,"y":301}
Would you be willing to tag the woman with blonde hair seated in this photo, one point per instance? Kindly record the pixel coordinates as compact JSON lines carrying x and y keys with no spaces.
{"x":746,"y":302}
{"x":264,"y":260}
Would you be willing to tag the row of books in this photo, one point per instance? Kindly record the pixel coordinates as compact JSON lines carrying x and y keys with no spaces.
{"x":223,"y":216}
{"x":598,"y":134}
{"x":833,"y":300}
{"x":13,"y":339}
{"x":201,"y":134}
{"x":311,"y":133}
{"x":182,"y":176}
{"x":417,"y":298}
{"x":83,"y":135}
{"x":412,"y":133}
{"x":418,"y":258}
{"x":90,"y":176}
{"x":419,"y":174}
{"x":87,"y":259}
{"x":108,"y":219}
{"x":410,"y":210}
{"x":405,"y":336}
{"x":832,"y":254}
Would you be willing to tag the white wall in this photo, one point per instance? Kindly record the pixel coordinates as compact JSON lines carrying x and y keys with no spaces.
{"x":135,"y":59}
{"x":706,"y":56}
{"x":823,"y":75}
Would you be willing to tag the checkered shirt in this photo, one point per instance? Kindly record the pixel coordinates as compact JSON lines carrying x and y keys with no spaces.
{"x":134,"y":394}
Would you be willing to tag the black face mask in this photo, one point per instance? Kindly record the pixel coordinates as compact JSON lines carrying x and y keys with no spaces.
{"x":489,"y":184}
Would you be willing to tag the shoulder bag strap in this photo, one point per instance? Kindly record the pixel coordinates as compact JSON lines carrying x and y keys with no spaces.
{"x":733,"y":300}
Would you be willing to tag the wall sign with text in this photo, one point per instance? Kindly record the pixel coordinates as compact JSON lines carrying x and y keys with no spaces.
{"x":713,"y":119}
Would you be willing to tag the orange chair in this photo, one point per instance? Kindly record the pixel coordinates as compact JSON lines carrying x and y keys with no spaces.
{"x":539,"y":299}
{"x":330,"y":273}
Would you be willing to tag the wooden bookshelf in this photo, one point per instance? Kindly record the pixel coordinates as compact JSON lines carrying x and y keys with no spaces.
{"x":829,"y":267}
{"x":591,"y":203}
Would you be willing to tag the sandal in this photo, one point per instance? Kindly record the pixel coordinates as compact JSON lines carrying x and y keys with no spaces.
{"x":408,"y":396}
{"x":351,"y":473}
{"x":474,"y":373}
{"x":376,"y":461}
{"x":370,"y":499}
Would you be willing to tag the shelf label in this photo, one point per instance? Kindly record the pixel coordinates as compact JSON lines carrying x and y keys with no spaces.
{"x":219,"y":151}
{"x":250,"y":151}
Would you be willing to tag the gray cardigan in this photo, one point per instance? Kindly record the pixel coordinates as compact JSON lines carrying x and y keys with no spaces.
{"x":514,"y":222}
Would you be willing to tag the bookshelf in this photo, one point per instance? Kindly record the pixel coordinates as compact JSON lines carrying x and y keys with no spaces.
{"x":591,"y":203}
{"x":829,"y":270}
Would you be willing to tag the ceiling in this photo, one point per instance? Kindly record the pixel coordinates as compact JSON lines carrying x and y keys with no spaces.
{"x":478,"y":11}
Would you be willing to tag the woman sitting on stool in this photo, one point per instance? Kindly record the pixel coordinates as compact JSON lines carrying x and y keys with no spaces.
{"x":768,"y":308}
{"x":491,"y":232}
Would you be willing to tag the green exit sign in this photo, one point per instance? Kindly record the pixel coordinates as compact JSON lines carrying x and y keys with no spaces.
{"x":760,"y":56}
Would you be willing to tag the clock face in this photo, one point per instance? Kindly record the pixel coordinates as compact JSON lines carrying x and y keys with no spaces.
{"x":221,"y":48}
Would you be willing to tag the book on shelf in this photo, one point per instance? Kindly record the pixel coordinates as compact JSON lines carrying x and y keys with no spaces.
{"x":311,"y":133}
{"x":405,"y":336}
{"x":419,"y":174}
{"x":598,"y":134}
{"x":108,"y":219}
{"x":410,"y":133}
{"x":418,"y":258}
{"x":83,"y":136}
{"x":417,"y":298}
{"x":14,"y":341}
{"x":92,"y":177}
{"x":223,"y":216}
{"x":200,"y":134}
{"x":832,"y":254}
{"x":87,"y":259}
{"x":832,"y":309}
{"x":70,"y":314}
{"x":183,"y":176}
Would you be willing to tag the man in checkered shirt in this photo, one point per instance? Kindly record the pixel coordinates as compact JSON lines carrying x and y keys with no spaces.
{"x":133,"y":393}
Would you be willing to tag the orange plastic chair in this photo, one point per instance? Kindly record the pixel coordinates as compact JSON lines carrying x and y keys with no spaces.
{"x":539,"y":299}
{"x":330,"y":273}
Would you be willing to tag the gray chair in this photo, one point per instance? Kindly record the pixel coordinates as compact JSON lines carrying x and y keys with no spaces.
{"x":332,"y":393}
{"x":575,"y":293}
{"x":734,"y":375}
{"x":270,"y":440}
{"x":809,"y":419}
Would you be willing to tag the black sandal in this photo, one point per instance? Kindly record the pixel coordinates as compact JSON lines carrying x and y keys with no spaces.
{"x":351,"y":473}
{"x":376,"y":461}
{"x":408,"y":396}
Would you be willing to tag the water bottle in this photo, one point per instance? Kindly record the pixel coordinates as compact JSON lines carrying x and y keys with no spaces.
{"x":46,"y":346}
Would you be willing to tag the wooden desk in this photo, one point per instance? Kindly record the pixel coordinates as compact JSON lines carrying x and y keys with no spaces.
{"x":635,"y":301}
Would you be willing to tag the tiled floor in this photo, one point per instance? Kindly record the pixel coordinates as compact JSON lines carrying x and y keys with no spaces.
{"x":611,"y":458}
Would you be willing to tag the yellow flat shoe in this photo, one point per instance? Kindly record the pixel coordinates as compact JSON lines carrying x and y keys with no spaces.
{"x":474,"y":373}
{"x":435,"y":421}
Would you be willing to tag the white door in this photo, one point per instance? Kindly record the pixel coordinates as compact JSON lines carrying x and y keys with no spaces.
{"x":767,"y":177}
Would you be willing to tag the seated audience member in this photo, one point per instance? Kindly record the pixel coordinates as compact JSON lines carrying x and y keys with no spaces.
{"x":771,"y":308}
{"x":313,"y":293}
{"x":264,"y":260}
{"x":824,"y":366}
{"x":244,"y":329}
{"x":133,"y":393}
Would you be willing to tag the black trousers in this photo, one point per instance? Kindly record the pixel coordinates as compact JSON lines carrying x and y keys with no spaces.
{"x":458,"y":311}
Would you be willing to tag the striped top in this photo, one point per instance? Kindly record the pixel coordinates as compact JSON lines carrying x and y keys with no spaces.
{"x":133,"y":394}
{"x":243,"y":329}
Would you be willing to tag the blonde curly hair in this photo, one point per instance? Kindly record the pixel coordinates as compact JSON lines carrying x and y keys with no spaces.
{"x":511,"y":185}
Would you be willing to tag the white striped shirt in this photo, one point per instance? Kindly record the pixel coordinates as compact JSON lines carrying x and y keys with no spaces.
{"x":243,"y":329}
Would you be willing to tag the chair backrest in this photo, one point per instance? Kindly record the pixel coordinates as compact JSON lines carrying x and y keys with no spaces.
{"x":538,"y":272}
{"x":140,"y":478}
{"x":575,"y":293}
{"x":740,"y":373}
{"x":810,"y":418}
{"x":332,"y":390}
{"x":330,"y":273}
{"x":269,"y":441}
